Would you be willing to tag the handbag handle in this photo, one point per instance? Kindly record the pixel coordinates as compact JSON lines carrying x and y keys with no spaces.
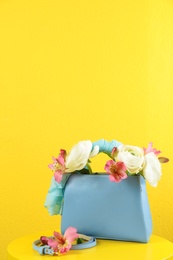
{"x":106,"y":146}
{"x":90,"y":242}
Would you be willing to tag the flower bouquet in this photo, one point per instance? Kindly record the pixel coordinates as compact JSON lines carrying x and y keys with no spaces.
{"x":109,"y":205}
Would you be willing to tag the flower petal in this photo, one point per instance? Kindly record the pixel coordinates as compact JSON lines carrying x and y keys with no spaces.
{"x":116,"y":170}
{"x":114,"y":152}
{"x":95,"y":151}
{"x":64,"y":248}
{"x":53,"y":243}
{"x":59,"y":238}
{"x":61,"y":157}
{"x":44,"y":240}
{"x":58,"y":176}
{"x":150,"y":149}
{"x":78,"y":156}
{"x":71,"y":234}
{"x":108,"y":166}
{"x":132,"y":156}
{"x":163,"y":160}
{"x":152,"y":169}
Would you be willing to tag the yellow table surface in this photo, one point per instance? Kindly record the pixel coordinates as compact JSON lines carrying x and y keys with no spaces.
{"x":157,"y":248}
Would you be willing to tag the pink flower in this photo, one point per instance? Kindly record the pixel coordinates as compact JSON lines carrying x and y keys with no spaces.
{"x":116,"y":170}
{"x":114,"y":152}
{"x":75,"y":160}
{"x":58,"y":165}
{"x":61,"y":243}
{"x":149,"y":149}
{"x":64,"y":242}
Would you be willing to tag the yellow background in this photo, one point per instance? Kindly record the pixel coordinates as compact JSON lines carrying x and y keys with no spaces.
{"x":78,"y":70}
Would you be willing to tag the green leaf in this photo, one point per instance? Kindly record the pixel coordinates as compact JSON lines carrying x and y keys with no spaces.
{"x":89,"y":168}
{"x":79,"y":241}
{"x":83,"y":171}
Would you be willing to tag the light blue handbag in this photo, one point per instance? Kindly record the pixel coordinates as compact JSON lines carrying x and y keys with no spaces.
{"x":107,"y":210}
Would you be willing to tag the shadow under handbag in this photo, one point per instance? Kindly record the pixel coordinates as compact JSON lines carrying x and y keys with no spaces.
{"x":112,"y":205}
{"x":107,"y":210}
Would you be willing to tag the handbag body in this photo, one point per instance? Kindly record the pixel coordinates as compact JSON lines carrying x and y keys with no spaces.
{"x":107,"y":210}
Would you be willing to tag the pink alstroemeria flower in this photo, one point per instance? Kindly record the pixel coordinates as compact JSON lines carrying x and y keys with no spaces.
{"x":150,"y":149}
{"x":58,"y":165}
{"x":114,"y":152}
{"x":116,"y":170}
{"x":61,"y":243}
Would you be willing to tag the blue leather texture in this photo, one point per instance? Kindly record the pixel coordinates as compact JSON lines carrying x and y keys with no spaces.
{"x":107,"y":210}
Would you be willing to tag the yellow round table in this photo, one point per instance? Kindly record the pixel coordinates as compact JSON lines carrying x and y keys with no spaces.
{"x":157,"y":248}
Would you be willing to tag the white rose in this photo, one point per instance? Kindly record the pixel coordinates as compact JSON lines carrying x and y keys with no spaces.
{"x":152,"y":169}
{"x":79,"y":155}
{"x":94,"y":152}
{"x":132,"y":156}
